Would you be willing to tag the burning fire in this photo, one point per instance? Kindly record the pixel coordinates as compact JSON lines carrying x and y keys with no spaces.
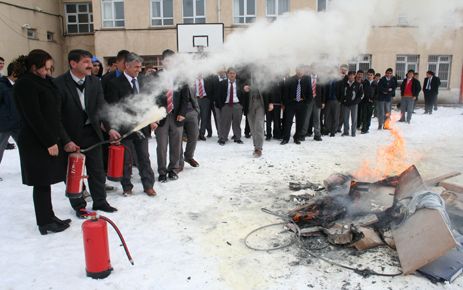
{"x":390,"y":159}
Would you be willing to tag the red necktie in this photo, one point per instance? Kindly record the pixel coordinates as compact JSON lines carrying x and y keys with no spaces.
{"x":200,"y":89}
{"x":314,"y":85}
{"x":230,"y":99}
{"x":170,"y":99}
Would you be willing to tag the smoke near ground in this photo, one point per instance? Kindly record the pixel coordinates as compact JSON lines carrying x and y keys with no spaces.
{"x":322,"y":40}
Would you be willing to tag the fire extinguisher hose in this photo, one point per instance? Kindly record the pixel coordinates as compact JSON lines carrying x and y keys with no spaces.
{"x":106,"y":142}
{"x":120,"y":237}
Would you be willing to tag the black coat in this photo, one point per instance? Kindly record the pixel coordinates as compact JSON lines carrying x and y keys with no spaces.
{"x":180,"y":101}
{"x":369,"y":91}
{"x":435,"y":84}
{"x":37,"y":102}
{"x":73,"y":117}
{"x":117,"y":90}
{"x":386,"y":89}
{"x":291,"y":88}
{"x":416,"y":87}
{"x":9,"y":117}
{"x":352,"y":94}
{"x":320,"y":93}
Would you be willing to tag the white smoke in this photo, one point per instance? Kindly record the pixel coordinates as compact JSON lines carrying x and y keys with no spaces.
{"x":322,"y":40}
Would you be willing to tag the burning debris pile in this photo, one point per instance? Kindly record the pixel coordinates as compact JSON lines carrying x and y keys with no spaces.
{"x":399,"y":211}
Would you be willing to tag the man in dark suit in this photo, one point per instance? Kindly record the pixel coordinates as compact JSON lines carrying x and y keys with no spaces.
{"x":81,"y":102}
{"x":409,"y":90}
{"x":231,"y":103}
{"x":118,"y":90}
{"x":370,"y":87}
{"x":203,"y":91}
{"x":431,"y":90}
{"x":386,"y":91}
{"x":169,"y":130}
{"x":352,"y":93}
{"x":120,"y":66}
{"x":297,"y":94}
{"x":315,"y":120}
{"x":274,"y":94}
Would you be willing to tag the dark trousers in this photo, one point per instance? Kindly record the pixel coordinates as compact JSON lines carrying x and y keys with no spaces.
{"x":95,"y":170}
{"x":42,"y":204}
{"x":429,"y":101}
{"x":190,"y":130}
{"x":140,"y":146}
{"x":204,"y":116}
{"x":216,"y":120}
{"x":247,"y":129}
{"x":274,"y":117}
{"x":332,"y":109}
{"x":294,"y":109}
{"x":366,"y":111}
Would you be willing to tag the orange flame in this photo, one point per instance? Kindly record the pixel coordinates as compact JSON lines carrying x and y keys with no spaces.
{"x":390,"y":160}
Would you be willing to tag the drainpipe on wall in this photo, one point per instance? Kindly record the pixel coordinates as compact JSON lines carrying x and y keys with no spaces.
{"x":461,"y":86}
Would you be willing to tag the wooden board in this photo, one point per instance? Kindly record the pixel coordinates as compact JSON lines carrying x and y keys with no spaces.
{"x":434,"y":181}
{"x":421,"y":239}
{"x":451,"y":186}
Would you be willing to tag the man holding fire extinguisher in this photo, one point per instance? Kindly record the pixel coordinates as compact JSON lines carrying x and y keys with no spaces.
{"x":82,"y":100}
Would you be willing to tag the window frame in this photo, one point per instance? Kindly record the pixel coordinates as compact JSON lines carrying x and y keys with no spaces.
{"x":34,"y":35}
{"x":273,"y":17}
{"x":360,"y":60}
{"x":113,"y":20}
{"x":245,"y":15}
{"x":162,"y":18}
{"x":327,"y":5}
{"x":194,"y":17}
{"x":90,"y":23}
{"x":407,"y":64}
{"x":436,"y":71}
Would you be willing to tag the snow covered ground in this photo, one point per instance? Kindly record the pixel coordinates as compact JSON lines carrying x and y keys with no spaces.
{"x":190,"y":236}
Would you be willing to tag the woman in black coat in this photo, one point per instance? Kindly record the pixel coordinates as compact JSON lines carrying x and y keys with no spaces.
{"x":40,"y":151}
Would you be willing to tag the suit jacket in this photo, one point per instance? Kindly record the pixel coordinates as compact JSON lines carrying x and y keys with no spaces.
{"x":119,"y":89}
{"x":435,"y":84}
{"x":320,"y":93}
{"x":73,"y":116}
{"x":386,"y":89}
{"x":223,"y":91}
{"x":180,"y":101}
{"x":291,"y":88}
{"x":192,"y":100}
{"x":9,"y":116}
{"x":106,"y":79}
{"x":416,"y":87}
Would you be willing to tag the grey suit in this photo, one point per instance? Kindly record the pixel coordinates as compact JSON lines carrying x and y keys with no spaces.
{"x":83,"y":127}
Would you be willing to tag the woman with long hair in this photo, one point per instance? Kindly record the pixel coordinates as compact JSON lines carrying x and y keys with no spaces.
{"x":40,"y":151}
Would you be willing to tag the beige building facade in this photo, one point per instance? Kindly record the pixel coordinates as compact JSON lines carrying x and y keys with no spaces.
{"x":149,"y":26}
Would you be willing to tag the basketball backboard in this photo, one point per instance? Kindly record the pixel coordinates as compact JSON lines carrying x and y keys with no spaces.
{"x":200,"y":37}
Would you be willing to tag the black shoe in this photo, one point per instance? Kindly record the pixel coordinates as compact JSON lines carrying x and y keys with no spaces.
{"x":364,"y":132}
{"x":284,"y":142}
{"x":309,"y":134}
{"x":192,"y":162}
{"x":296,"y":141}
{"x":247,"y":136}
{"x":332,"y":135}
{"x":401,"y":120}
{"x":221,"y":142}
{"x":338,"y":131}
{"x":301,"y":139}
{"x":317,"y":138}
{"x":60,"y":221}
{"x":104,"y":207}
{"x":435,"y":108}
{"x":380,"y":127}
{"x":238,"y":141}
{"x":202,"y":138}
{"x":353,"y":135}
{"x":172,"y":175}
{"x":53,"y":227}
{"x":162,"y":178}
{"x":268,"y":138}
{"x":109,"y":187}
{"x":81,"y":213}
{"x":345,"y":134}
{"x":209,"y":135}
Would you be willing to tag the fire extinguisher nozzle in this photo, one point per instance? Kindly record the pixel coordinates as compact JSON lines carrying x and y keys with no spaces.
{"x":131,"y":262}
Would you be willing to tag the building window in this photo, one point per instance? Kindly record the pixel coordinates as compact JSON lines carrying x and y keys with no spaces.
{"x":113,"y":13}
{"x":79,"y":17}
{"x":32,"y":33}
{"x":323,"y":5}
{"x":162,"y":12}
{"x":276,"y":8}
{"x":194,"y":11}
{"x":363,"y":62}
{"x":50,"y":36}
{"x":404,"y":63}
{"x":440,"y":65}
{"x":244,"y":11}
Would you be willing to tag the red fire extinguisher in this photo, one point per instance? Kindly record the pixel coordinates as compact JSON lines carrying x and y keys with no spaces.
{"x":75,"y":175}
{"x":95,"y":234}
{"x":115,"y":162}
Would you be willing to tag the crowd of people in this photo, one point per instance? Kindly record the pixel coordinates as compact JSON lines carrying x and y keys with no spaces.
{"x":50,"y":117}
